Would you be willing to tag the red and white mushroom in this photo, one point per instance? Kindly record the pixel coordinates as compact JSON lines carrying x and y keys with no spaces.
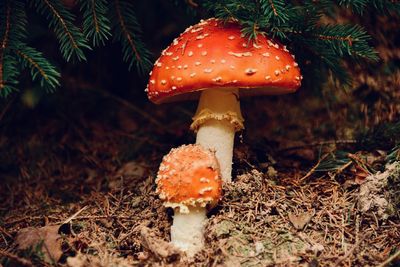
{"x":215,"y":61}
{"x":189,"y":182}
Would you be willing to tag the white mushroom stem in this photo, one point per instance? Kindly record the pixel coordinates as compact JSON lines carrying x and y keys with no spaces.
{"x":217,"y":119}
{"x":187,"y":230}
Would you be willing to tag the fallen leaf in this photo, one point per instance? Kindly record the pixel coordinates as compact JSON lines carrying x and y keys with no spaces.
{"x":47,"y":238}
{"x":299,"y":221}
{"x":360,"y":174}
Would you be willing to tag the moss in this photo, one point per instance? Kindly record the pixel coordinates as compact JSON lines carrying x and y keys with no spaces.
{"x":224,"y":228}
{"x":281,"y":246}
{"x":394,"y":188}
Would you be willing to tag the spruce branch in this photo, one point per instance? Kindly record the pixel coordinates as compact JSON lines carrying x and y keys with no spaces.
{"x":6,"y":14}
{"x":382,"y":6}
{"x":10,"y":75}
{"x":394,"y":154}
{"x":275,"y":10}
{"x":12,"y":31}
{"x":299,"y":24}
{"x":382,"y":136}
{"x":61,"y":21}
{"x":40,"y":68}
{"x":346,"y":40}
{"x":356,"y":5}
{"x":96,"y":25}
{"x":127,"y":31}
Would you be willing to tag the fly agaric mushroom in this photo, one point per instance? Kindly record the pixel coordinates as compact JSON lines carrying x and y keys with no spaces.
{"x":189,"y":182}
{"x":214,"y":60}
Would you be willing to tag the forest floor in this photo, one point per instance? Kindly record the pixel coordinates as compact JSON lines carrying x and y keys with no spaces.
{"x":77,"y":187}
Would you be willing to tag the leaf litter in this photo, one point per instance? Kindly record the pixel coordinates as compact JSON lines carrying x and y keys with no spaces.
{"x":280,"y":211}
{"x":47,"y":240}
{"x":269,"y":216}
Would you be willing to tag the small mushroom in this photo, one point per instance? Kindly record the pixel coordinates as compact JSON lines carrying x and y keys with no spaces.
{"x":189,"y":182}
{"x":220,"y":69}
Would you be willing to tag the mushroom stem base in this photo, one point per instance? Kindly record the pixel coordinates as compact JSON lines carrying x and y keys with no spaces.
{"x":217,"y":119}
{"x":187,"y":231}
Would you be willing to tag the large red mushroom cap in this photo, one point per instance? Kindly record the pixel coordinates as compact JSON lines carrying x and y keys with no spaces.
{"x":213,"y":54}
{"x":189,"y":176}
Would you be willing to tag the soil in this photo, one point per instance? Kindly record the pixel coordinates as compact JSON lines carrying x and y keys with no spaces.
{"x":86,"y":177}
{"x":77,"y":172}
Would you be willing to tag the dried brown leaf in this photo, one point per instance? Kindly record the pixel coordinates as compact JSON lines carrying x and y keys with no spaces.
{"x":299,"y":221}
{"x":47,"y":238}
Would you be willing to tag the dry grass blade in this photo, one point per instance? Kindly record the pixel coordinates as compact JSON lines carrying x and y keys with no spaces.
{"x":351,"y":250}
{"x":74,"y":215}
{"x":390,"y":259}
{"x":310,"y":172}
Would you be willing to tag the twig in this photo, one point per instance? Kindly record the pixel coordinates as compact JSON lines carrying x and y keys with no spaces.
{"x":390,"y":259}
{"x":102,"y":217}
{"x":320,"y":143}
{"x":31,"y":218}
{"x":360,"y":162}
{"x":350,"y":251}
{"x":4,"y":231}
{"x":310,"y":172}
{"x":74,"y":215}
{"x":341,"y":169}
{"x":19,"y":260}
{"x":273,"y":7}
{"x":5,"y":240}
{"x":192,"y":3}
{"x":122,"y":238}
{"x":125,"y":31}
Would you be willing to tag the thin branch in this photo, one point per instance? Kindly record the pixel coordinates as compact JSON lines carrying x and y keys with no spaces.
{"x":310,"y":172}
{"x":126,"y":32}
{"x":351,"y":250}
{"x":320,"y":143}
{"x":33,"y":63}
{"x":348,"y":39}
{"x":192,"y":3}
{"x":97,"y":217}
{"x":62,"y":23}
{"x":4,"y":231}
{"x":74,"y":215}
{"x":273,"y":7}
{"x":4,"y":44}
{"x":95,"y":20}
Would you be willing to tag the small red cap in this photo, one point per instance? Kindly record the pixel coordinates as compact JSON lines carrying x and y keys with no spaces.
{"x":189,"y":176}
